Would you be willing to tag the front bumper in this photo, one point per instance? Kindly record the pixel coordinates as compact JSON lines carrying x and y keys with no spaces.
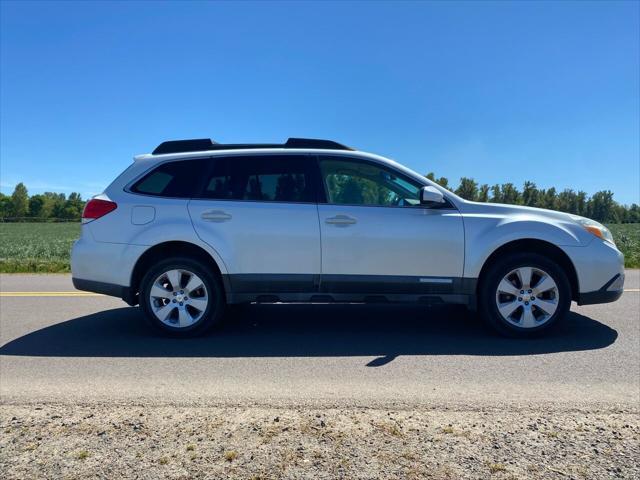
{"x":599,"y":268}
{"x":610,"y":292}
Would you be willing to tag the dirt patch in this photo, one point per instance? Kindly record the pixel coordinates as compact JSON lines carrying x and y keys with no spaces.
{"x":258,"y":442}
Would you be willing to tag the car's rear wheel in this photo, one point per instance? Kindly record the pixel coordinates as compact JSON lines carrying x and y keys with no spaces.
{"x":524,"y":295}
{"x":181,"y":298}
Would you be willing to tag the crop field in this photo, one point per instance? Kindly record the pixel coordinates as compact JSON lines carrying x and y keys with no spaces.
{"x":627,"y":237}
{"x":45,"y":247}
{"x":36,"y":247}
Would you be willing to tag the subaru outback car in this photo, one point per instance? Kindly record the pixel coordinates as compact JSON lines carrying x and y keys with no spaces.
{"x":196,"y":226}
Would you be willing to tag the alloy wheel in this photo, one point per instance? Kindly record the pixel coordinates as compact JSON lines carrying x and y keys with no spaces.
{"x":178,"y":298}
{"x":527,"y":297}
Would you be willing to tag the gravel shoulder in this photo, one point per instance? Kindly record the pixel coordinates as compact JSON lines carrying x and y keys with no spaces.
{"x":260,"y":442}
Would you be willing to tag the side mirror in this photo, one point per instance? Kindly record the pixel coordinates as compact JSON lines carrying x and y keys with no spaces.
{"x":431,"y":196}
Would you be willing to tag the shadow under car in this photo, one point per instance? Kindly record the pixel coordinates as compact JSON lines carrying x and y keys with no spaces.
{"x":292,"y":330}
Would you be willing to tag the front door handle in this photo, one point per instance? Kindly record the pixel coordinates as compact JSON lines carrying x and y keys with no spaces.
{"x":341,"y":220}
{"x":215,"y":216}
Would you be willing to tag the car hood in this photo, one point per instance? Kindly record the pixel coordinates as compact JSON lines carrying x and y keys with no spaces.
{"x":526,"y":221}
{"x":504,"y":209}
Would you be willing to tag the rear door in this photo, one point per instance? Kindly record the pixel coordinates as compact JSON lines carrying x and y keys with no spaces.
{"x":259,"y":213}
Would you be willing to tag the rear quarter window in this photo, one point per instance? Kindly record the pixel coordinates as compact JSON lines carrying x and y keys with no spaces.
{"x":179,"y":179}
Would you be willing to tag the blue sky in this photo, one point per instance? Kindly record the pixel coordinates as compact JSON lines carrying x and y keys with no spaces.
{"x":502,"y":92}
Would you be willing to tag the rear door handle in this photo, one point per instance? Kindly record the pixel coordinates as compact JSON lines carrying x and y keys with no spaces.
{"x":215,"y":216}
{"x":341,"y":220}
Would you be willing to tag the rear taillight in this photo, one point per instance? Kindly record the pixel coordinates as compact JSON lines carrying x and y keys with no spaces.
{"x":96,"y":208}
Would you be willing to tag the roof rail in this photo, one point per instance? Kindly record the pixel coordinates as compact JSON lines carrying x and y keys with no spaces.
{"x":193,"y":145}
{"x":315,"y":143}
{"x":206,"y":144}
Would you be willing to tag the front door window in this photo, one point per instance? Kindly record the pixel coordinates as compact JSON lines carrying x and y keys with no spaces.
{"x":350,"y":182}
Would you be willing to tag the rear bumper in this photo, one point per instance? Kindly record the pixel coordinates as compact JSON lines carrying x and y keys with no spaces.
{"x":110,"y":289}
{"x":102,"y":261}
{"x":103,"y":267}
{"x":610,"y":292}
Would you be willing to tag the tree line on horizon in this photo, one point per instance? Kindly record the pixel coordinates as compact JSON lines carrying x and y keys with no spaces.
{"x":48,"y":206}
{"x":600,"y":206}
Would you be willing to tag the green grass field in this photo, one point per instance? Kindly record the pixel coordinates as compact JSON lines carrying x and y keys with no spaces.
{"x":36,"y":247}
{"x":627,"y":237}
{"x":45,"y":247}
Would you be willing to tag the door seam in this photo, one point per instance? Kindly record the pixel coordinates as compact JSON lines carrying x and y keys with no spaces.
{"x":319,"y":284}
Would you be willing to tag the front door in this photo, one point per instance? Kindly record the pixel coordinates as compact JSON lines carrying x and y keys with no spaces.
{"x":377,"y":238}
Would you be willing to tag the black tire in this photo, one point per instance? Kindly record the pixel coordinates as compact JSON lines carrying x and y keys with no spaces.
{"x":214,"y":312}
{"x":488,"y":309}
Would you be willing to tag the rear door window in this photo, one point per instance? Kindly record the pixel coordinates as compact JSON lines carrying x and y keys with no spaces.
{"x":179,"y":179}
{"x":263,"y":178}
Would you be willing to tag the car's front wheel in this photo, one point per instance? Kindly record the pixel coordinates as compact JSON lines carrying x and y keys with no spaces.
{"x":524,"y":294}
{"x":181,"y":298}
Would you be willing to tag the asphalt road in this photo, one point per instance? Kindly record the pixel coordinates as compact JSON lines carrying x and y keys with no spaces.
{"x":66,"y":347}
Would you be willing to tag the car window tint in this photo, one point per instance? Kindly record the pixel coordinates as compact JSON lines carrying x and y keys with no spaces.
{"x":350,"y":182}
{"x":275,"y":178}
{"x":154,"y":183}
{"x":173,"y":179}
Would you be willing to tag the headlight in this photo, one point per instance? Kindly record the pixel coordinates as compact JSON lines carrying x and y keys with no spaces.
{"x":595,"y":228}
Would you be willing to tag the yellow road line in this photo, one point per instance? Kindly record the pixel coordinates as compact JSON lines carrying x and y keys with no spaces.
{"x":49,"y":294}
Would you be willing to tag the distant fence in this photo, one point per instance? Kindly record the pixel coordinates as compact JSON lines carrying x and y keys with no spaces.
{"x":38,"y":220}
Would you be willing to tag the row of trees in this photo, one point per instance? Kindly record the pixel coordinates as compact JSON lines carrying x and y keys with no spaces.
{"x":46,"y":206}
{"x":600,"y":206}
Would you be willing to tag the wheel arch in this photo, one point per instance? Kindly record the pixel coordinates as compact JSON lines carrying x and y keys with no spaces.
{"x":533,"y":245}
{"x":169,"y":249}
